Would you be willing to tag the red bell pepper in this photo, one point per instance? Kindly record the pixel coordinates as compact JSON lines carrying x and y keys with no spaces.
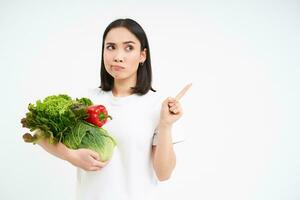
{"x":97,"y":115}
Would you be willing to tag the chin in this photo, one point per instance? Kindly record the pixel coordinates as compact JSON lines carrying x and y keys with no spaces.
{"x":119,"y":77}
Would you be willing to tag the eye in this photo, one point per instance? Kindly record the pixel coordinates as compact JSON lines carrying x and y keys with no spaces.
{"x":110,"y":47}
{"x":129,"y":48}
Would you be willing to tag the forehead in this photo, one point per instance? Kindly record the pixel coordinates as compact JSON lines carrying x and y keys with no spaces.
{"x":120,"y":35}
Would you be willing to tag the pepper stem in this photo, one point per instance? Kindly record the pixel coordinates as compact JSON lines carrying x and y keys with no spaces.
{"x":102,"y":116}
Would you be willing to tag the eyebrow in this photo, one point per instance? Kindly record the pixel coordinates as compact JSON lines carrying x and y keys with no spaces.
{"x":127,"y":42}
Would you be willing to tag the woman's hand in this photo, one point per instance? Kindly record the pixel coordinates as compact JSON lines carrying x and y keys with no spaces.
{"x":170,"y":112}
{"x":171,"y":109}
{"x":86,"y":159}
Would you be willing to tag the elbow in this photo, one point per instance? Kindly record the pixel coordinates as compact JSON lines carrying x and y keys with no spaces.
{"x":164,"y":174}
{"x":164,"y":167}
{"x":164,"y":177}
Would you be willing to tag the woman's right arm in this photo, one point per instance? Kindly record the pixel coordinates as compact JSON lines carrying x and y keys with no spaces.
{"x":82,"y":158}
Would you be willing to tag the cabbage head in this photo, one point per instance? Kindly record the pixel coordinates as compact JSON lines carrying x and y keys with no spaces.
{"x":87,"y":135}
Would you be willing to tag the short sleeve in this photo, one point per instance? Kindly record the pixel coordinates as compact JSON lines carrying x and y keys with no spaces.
{"x":178,"y":134}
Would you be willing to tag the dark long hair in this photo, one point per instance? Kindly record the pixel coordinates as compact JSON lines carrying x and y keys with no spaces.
{"x":144,"y":72}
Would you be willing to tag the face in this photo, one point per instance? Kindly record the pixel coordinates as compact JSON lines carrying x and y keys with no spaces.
{"x":122,"y":54}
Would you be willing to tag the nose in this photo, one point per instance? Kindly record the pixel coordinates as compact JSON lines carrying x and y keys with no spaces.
{"x":118,"y":60}
{"x":119,"y":57}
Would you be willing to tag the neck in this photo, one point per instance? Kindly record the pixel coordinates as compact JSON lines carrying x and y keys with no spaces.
{"x":122,"y":87}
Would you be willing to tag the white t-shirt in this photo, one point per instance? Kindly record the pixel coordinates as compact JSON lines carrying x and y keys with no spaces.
{"x":129,"y":175}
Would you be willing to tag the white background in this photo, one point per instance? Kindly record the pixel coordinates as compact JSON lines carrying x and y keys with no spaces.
{"x":241,"y":115}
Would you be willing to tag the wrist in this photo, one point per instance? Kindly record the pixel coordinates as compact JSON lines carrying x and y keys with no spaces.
{"x":164,"y":125}
{"x":67,"y":153}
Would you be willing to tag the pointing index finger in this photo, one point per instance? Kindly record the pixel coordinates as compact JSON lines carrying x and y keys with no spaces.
{"x":182,"y":92}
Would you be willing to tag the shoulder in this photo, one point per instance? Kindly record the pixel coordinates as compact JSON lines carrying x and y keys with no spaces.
{"x":155,"y":98}
{"x":91,"y":93}
{"x":96,"y":92}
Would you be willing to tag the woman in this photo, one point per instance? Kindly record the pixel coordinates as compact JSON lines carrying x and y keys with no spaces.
{"x":142,"y":157}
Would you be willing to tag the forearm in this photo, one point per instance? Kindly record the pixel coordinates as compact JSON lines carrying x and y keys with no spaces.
{"x":164,"y":159}
{"x":59,"y":150}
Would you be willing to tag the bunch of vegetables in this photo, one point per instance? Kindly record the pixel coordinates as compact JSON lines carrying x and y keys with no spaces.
{"x":76,"y":123}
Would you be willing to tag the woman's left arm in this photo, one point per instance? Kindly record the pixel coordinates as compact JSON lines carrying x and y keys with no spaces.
{"x":163,"y":155}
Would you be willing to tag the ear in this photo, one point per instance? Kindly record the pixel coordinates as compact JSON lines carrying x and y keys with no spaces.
{"x":143,"y":56}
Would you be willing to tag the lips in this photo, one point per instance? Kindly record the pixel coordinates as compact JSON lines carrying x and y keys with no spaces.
{"x":117,"y":67}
